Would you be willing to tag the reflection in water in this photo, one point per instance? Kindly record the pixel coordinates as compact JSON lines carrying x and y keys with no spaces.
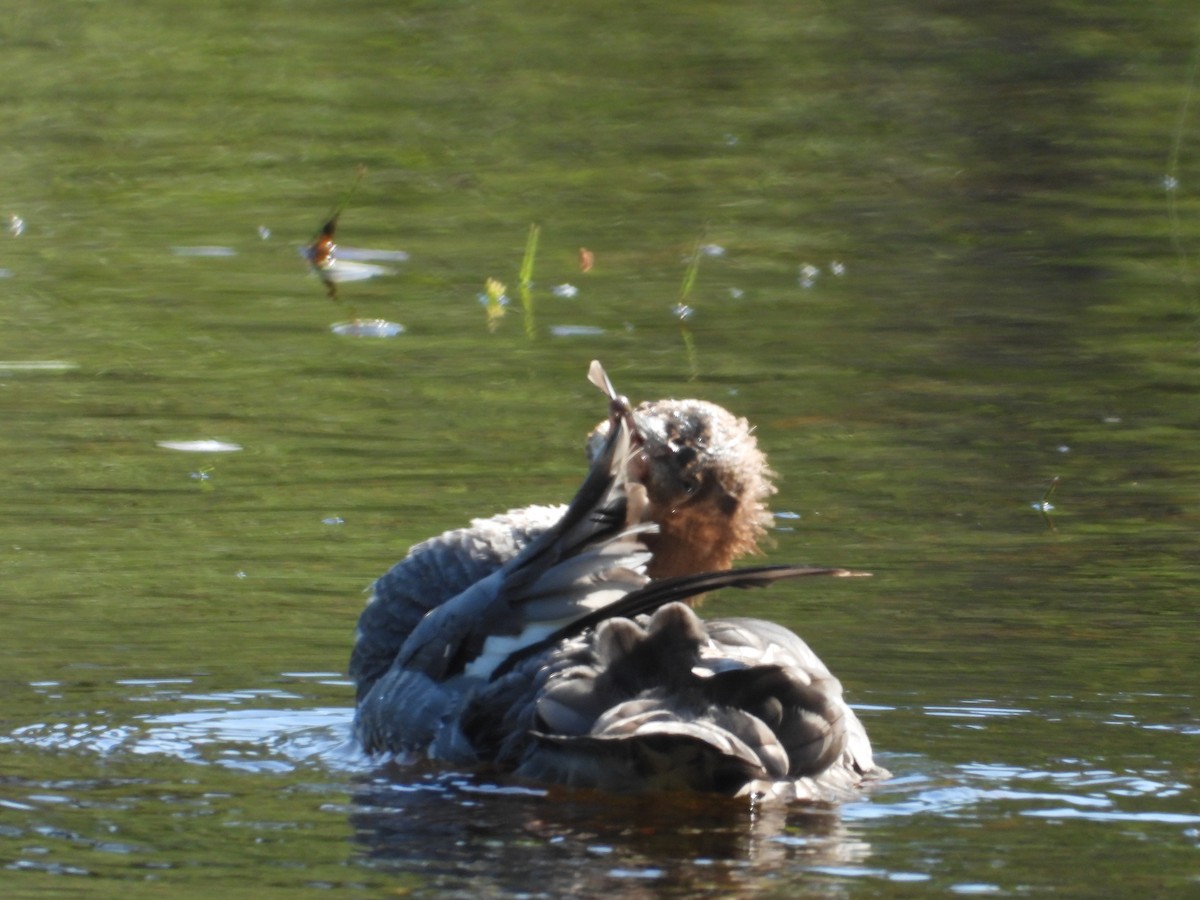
{"x":367,"y":328}
{"x":450,"y":829}
{"x":212,"y":252}
{"x":240,"y":729}
{"x":9,"y":366}
{"x":575,"y":330}
{"x":206,"y":445}
{"x":344,"y":271}
{"x":367,"y":254}
{"x":977,"y":790}
{"x":453,"y":828}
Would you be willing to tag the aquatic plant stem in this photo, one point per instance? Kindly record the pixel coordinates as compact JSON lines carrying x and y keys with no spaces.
{"x":683,"y":311}
{"x":689,"y":346}
{"x":525,"y":281}
{"x":1044,"y":507}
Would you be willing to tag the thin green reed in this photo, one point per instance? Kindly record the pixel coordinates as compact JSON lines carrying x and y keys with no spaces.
{"x":683,"y":311}
{"x":525,"y":285}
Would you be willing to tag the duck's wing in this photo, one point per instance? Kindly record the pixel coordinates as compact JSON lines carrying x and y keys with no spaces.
{"x":434,"y":571}
{"x":589,"y":558}
{"x":442,"y":567}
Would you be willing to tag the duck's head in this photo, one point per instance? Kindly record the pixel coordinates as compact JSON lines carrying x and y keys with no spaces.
{"x":706,"y":481}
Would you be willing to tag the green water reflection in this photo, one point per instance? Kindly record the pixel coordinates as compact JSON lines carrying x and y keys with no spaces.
{"x":996,"y":296}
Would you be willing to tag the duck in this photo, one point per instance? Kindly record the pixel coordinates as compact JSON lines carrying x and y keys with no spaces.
{"x":707,"y":484}
{"x":562,"y":643}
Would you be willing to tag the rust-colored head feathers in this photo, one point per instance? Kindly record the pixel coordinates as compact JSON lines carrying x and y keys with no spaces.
{"x":707,"y":484}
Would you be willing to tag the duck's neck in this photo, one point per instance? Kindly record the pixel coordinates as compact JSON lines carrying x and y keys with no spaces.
{"x":686,"y":545}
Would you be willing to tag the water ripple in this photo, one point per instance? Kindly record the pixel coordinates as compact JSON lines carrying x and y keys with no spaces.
{"x":258,"y":730}
{"x":976,"y":790}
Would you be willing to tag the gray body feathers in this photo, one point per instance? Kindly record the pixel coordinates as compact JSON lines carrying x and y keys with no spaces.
{"x":665,"y":700}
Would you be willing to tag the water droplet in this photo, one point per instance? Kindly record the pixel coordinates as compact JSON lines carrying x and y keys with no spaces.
{"x":564,"y":290}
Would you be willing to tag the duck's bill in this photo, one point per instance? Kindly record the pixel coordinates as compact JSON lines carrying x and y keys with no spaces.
{"x":619,"y":407}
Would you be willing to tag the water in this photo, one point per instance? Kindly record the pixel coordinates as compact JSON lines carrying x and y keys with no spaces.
{"x":948,"y":255}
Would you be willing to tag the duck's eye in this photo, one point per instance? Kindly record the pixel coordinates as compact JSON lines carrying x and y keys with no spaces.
{"x":685,"y":456}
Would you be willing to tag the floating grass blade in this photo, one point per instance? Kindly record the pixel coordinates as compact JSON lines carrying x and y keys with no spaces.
{"x":525,"y":282}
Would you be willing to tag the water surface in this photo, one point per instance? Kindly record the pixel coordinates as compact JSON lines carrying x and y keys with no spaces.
{"x":948,"y":256}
